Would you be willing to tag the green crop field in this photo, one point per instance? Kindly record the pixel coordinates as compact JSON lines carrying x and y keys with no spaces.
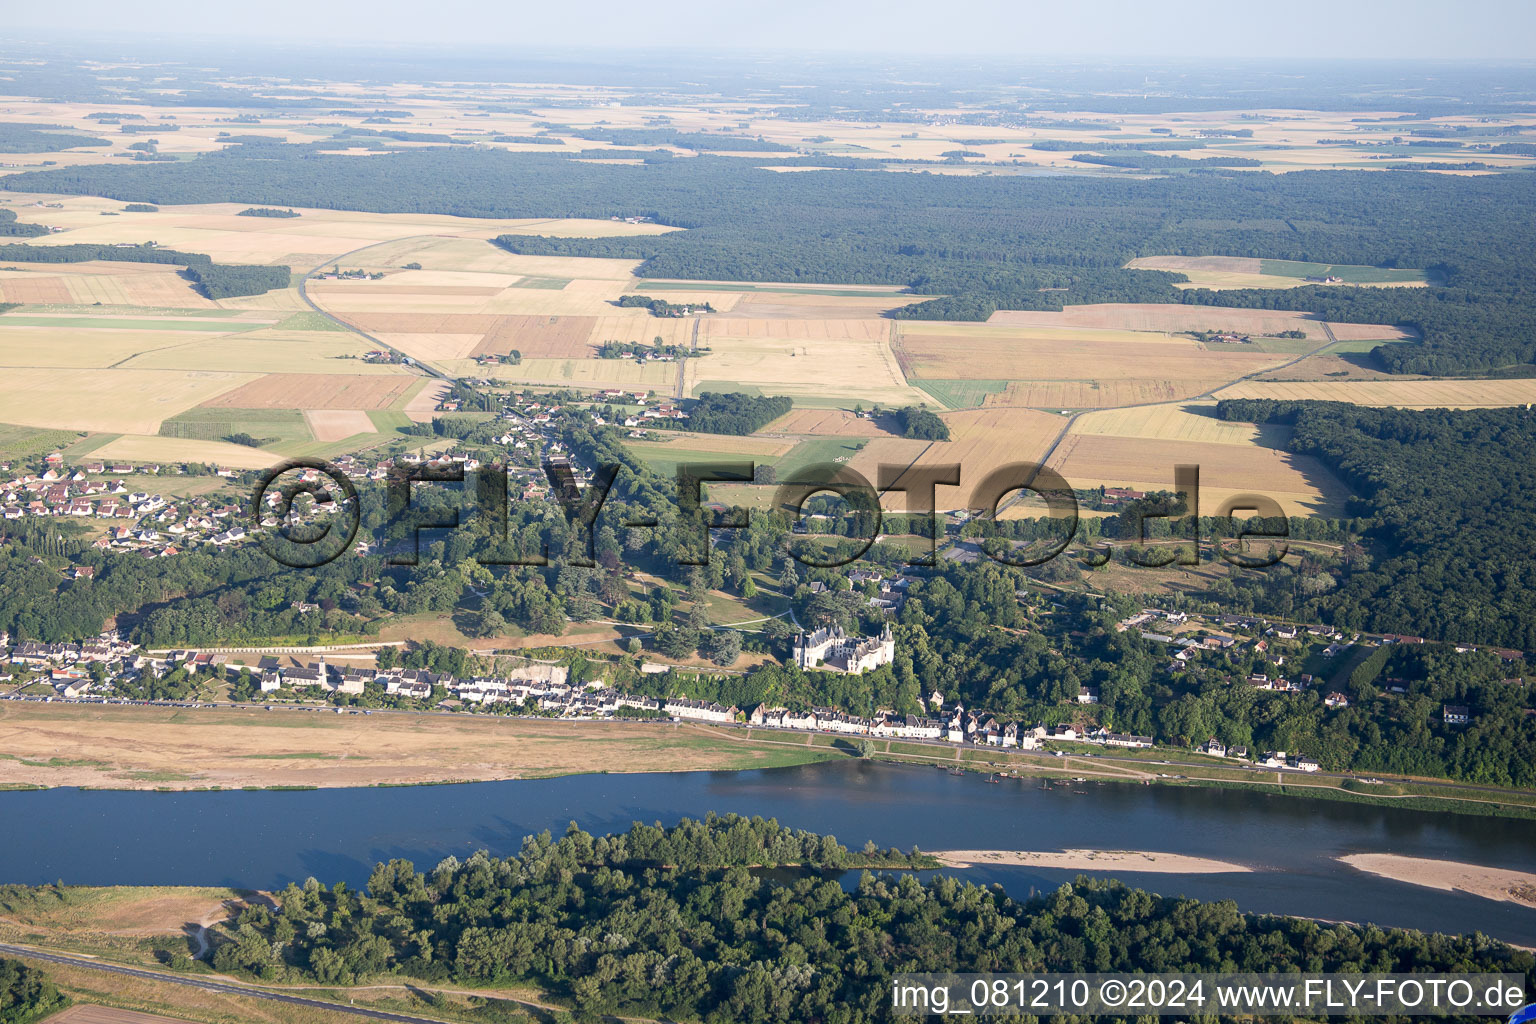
{"x":308,"y":320}
{"x":961,"y":394}
{"x":217,"y":424}
{"x":546,"y":283}
{"x":806,"y":453}
{"x":25,"y":442}
{"x":1346,"y":273}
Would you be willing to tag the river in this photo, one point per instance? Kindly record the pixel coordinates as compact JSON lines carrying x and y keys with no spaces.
{"x":267,"y":839}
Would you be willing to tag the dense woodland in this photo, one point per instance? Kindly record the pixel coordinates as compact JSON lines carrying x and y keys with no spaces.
{"x":1446,"y":500}
{"x":26,"y":994}
{"x":672,"y":923}
{"x":735,"y":413}
{"x":13,"y":228}
{"x":21,"y":137}
{"x":215,"y":280}
{"x":921,"y":423}
{"x":983,"y":242}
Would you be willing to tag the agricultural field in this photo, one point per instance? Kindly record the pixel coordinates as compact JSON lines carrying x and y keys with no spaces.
{"x":1403,"y":394}
{"x":24,"y":442}
{"x":981,"y":440}
{"x":1250,"y":272}
{"x":1158,"y":363}
{"x":835,"y":422}
{"x":591,"y":374}
{"x":1228,"y":467}
{"x":1172,"y":318}
{"x":319,"y":391}
{"x":158,"y":448}
{"x":301,"y":242}
{"x":816,"y":362}
{"x":118,"y":401}
{"x":1182,"y":421}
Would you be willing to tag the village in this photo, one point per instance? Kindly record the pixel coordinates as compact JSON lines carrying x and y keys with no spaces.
{"x":106,"y":669}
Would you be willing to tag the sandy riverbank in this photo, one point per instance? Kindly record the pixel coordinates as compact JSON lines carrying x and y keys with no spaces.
{"x":1092,"y":860}
{"x":128,"y":747}
{"x":1450,"y":876}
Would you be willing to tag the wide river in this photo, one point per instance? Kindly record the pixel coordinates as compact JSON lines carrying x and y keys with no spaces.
{"x":267,"y":839}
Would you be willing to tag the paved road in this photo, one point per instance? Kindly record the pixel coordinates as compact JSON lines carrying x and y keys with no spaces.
{"x":336,"y":261}
{"x":209,"y":985}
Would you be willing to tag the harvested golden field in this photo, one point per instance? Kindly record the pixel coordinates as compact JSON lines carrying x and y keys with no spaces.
{"x":1219,"y":264}
{"x":112,"y":746}
{"x":318,"y":391}
{"x":421,"y":406}
{"x":713,"y":329}
{"x":1299,"y":483}
{"x":1187,"y":421}
{"x":990,"y":352}
{"x":642,"y":329}
{"x":589,"y":373}
{"x":454,"y":335}
{"x":120,"y":401}
{"x":981,"y":440}
{"x":154,"y":448}
{"x":839,"y":361}
{"x":302,"y":242}
{"x":783,"y":305}
{"x":1405,"y":394}
{"x":1174,"y":317}
{"x":831,"y":422}
{"x":539,"y":337}
{"x":34,"y":289}
{"x":264,"y":351}
{"x":80,"y":347}
{"x":337,"y":424}
{"x":375,"y":322}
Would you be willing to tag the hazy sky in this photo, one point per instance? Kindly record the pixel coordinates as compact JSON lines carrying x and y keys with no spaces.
{"x":1149,"y":29}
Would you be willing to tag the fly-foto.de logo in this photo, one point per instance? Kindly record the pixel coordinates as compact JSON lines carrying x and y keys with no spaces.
{"x":306,"y":513}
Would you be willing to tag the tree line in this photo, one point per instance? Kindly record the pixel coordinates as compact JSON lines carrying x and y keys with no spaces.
{"x":984,"y":242}
{"x":672,"y":923}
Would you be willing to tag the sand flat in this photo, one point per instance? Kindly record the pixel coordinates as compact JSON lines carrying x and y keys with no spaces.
{"x":1092,"y":860}
{"x":1449,"y":876}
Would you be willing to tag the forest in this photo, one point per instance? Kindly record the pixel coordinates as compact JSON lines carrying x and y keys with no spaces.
{"x":1445,"y":499}
{"x":20,"y":137}
{"x":736,"y":413}
{"x":11,"y":227}
{"x":672,"y":923}
{"x":215,"y":280}
{"x":26,"y":994}
{"x":983,"y":242}
{"x":921,"y":423}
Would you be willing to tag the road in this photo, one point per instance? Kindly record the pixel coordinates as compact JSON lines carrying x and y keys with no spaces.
{"x":1045,"y":460}
{"x":210,"y":985}
{"x":430,"y":371}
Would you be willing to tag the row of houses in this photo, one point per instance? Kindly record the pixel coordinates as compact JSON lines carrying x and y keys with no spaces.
{"x":956,"y":726}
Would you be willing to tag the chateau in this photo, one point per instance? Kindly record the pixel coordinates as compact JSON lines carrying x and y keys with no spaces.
{"x":831,"y":648}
